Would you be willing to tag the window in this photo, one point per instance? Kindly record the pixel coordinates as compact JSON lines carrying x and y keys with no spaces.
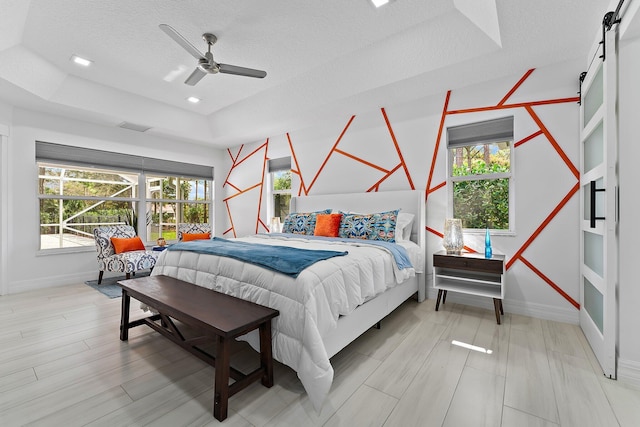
{"x":480,"y":174}
{"x":80,"y":189}
{"x":281,"y":193}
{"x":172,"y":200}
{"x":74,"y":200}
{"x":280,"y":187}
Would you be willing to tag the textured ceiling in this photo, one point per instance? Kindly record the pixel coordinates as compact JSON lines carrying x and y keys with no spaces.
{"x":323,"y":58}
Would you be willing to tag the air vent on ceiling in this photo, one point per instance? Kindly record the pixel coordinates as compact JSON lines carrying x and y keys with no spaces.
{"x":133,"y":126}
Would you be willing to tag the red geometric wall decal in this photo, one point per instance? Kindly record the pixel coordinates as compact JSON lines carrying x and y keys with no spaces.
{"x":432,"y":189}
{"x":335,"y":150}
{"x":297,"y":166}
{"x":395,"y":144}
{"x":544,"y":224}
{"x":233,"y":165}
{"x":542,"y":130}
{"x":528,"y":138}
{"x":263,"y":174}
{"x":306,"y":190}
{"x":437,"y":146}
{"x":553,"y":142}
{"x":550,"y":282}
{"x":239,"y":191}
{"x":516,"y":86}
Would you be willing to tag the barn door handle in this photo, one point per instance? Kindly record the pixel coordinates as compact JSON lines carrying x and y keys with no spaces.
{"x":592,"y":204}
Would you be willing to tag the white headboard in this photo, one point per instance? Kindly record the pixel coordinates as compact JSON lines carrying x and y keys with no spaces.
{"x":411,"y":201}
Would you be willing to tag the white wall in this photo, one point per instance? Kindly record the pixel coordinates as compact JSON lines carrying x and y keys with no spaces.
{"x":29,"y":268}
{"x":4,"y":194}
{"x":542,"y":178}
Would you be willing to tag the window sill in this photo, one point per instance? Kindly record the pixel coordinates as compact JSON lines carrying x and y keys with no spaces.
{"x":493,"y":233}
{"x":63,"y":251}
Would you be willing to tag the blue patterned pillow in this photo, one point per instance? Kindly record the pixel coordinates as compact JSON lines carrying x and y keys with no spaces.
{"x":302,"y":223}
{"x":375,"y":226}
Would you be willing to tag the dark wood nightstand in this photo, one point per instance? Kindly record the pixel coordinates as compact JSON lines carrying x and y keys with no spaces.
{"x":470,"y":273}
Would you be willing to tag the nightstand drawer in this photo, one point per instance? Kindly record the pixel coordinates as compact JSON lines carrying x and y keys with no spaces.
{"x":469,"y":262}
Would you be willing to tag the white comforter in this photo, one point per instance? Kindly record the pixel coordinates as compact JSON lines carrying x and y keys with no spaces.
{"x":309,"y":305}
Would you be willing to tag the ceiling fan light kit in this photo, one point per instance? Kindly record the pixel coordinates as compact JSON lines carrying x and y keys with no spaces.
{"x":206,"y":64}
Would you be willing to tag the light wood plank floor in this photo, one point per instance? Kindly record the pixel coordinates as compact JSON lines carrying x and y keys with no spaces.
{"x":62,"y":364}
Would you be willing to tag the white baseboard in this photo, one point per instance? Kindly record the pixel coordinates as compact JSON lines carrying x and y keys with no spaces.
{"x":540,"y":311}
{"x":19,"y":286}
{"x":629,"y":372}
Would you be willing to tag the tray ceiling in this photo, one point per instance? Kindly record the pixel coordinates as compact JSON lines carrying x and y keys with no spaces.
{"x":323,"y":58}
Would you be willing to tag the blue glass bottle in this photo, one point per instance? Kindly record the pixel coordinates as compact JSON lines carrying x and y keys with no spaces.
{"x":488,"y":252}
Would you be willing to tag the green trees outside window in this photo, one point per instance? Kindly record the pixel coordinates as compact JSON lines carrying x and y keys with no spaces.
{"x":173,"y":200}
{"x":480,"y":178}
{"x":281,"y":192}
{"x":74,"y":200}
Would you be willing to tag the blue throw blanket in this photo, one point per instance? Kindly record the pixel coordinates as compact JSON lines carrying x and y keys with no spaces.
{"x":283,"y":259}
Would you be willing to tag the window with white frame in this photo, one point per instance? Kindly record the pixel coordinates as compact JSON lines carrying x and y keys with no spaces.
{"x":74,"y":200}
{"x":172,"y":200}
{"x":80,"y":189}
{"x":279,"y":187}
{"x":480,"y":174}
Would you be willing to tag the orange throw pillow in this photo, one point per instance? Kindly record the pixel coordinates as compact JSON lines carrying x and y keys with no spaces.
{"x":187,"y":237}
{"x":327,"y":225}
{"x":127,"y":244}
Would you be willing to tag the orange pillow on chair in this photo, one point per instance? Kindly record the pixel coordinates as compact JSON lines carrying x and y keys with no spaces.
{"x":127,"y":244}
{"x":187,"y":237}
{"x":327,"y":225}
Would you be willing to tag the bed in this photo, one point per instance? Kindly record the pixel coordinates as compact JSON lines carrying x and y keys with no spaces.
{"x":315,"y":323}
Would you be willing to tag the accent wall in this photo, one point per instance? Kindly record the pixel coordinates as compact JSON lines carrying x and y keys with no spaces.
{"x":403,"y":146}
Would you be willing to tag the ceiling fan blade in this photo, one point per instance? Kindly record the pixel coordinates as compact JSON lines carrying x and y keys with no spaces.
{"x":168,"y":30}
{"x":195,"y":77}
{"x":241,"y":71}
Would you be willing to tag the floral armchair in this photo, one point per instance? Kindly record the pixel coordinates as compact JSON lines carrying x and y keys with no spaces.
{"x":125,"y":262}
{"x":191,"y":228}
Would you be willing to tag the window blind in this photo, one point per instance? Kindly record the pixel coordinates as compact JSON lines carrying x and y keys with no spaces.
{"x":281,"y":164}
{"x":78,"y":156}
{"x":496,"y":130}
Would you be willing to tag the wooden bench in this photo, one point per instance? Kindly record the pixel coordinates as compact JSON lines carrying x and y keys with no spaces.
{"x":219,"y":317}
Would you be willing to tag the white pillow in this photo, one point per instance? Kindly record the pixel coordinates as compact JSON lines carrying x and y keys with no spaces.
{"x":404,"y":223}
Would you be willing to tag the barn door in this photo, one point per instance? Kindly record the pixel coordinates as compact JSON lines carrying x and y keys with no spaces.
{"x":598,"y":195}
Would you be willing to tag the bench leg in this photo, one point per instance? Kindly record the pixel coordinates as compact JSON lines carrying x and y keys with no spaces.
{"x":266,"y":357}
{"x":221,"y":386}
{"x":124,"y":317}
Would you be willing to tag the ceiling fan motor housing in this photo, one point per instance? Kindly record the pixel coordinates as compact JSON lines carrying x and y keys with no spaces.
{"x":207,"y":64}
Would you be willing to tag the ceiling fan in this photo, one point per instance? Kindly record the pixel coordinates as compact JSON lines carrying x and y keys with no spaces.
{"x":206,"y":64}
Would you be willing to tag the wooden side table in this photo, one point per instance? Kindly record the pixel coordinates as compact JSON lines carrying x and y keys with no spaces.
{"x":470,"y":273}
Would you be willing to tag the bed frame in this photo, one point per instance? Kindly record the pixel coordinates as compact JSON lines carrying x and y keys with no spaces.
{"x":411,"y":201}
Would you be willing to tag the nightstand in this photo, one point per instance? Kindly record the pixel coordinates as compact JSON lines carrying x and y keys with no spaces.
{"x":469,"y":273}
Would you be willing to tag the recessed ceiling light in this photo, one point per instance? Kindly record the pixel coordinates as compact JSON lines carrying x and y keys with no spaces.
{"x":193,"y":99}
{"x":378,"y":3}
{"x":81,"y":61}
